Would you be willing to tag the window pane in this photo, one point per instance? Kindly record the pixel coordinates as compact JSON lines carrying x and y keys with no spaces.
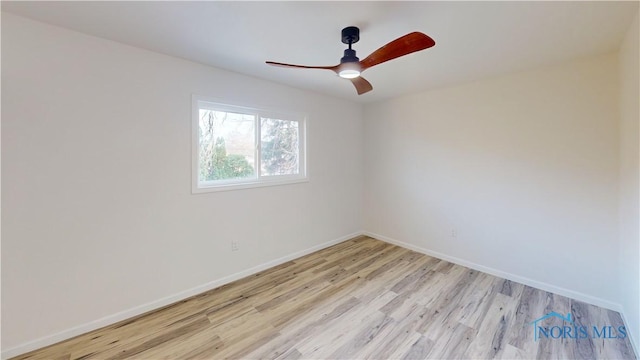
{"x":279,"y":147}
{"x":227,"y":145}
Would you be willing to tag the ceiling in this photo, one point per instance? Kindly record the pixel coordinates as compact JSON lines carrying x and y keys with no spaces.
{"x":474,"y":40}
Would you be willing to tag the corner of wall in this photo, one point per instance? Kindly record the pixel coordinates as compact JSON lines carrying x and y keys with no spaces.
{"x":629,"y":182}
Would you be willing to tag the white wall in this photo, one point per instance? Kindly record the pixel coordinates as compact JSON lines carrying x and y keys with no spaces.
{"x":98,"y":215}
{"x":630,"y":181}
{"x":524,"y":167}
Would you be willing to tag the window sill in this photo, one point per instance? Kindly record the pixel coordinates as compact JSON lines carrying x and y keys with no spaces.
{"x":246,"y":185}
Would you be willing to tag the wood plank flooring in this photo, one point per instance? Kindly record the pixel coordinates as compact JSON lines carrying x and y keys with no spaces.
{"x":360,"y":299}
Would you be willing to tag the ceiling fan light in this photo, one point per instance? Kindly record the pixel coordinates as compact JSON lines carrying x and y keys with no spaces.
{"x":349,"y":70}
{"x":349,"y":74}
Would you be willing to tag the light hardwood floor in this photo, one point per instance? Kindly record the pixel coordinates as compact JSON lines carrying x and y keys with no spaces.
{"x":360,"y":299}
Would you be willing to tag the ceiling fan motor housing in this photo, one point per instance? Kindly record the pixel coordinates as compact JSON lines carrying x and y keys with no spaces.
{"x":349,"y":56}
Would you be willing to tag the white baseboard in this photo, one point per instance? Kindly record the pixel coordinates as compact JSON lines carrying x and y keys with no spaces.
{"x":505,"y":275}
{"x":630,"y":334}
{"x":156,"y":304}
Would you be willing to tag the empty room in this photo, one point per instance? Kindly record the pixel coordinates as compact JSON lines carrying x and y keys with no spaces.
{"x":320,"y":180}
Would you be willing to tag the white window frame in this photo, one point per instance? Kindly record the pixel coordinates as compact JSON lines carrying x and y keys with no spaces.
{"x":198,"y":187}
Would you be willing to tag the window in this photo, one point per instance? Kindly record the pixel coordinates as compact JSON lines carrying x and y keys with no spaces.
{"x":239,"y":147}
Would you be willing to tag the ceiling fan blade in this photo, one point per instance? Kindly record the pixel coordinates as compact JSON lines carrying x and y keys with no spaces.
{"x":362,"y":85}
{"x":401,"y":46}
{"x":333,"y":68}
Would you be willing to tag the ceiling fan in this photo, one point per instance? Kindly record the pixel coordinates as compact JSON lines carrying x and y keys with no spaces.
{"x":351,"y":67}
